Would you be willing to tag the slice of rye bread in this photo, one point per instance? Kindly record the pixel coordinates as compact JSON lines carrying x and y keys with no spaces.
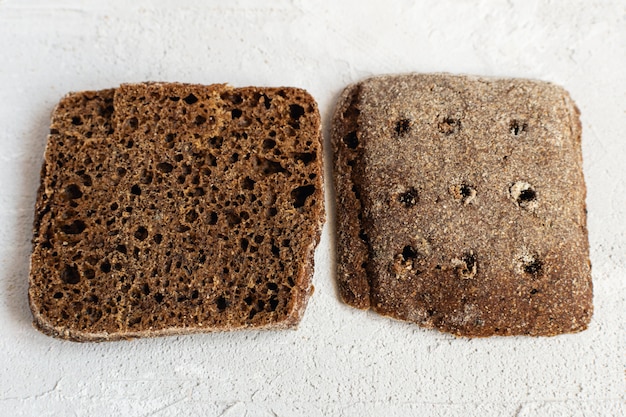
{"x":173,"y":209}
{"x":461,"y":204}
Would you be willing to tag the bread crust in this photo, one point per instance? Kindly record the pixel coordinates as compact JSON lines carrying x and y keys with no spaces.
{"x":471,"y":204}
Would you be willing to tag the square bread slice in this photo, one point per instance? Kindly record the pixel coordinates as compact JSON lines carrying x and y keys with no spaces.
{"x":461,"y":204}
{"x":173,"y":209}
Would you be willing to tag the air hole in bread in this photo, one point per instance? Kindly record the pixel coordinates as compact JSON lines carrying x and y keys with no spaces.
{"x":467,"y":266}
{"x":296,"y":111}
{"x":527,"y":195}
{"x":165,"y":167}
{"x":234,"y":98}
{"x":141,"y":233}
{"x":135,"y":189}
{"x":70,"y":275}
{"x":300,"y":194}
{"x":351,"y":140}
{"x":58,"y":295}
{"x":121,"y":249}
{"x":86,"y":180}
{"x":517,"y":127}
{"x":158,"y":297}
{"x":72,"y":192}
{"x":403,"y":126}
{"x":232,"y":218}
{"x":236,"y":113}
{"x":222,"y":303}
{"x":449,"y":125}
{"x":524,"y":195}
{"x":466,"y":190}
{"x":77,"y":121}
{"x":531,"y":264}
{"x":105,"y":266}
{"x":145,"y":177}
{"x":363,"y":236}
{"x":186,"y":169}
{"x":191,"y":216}
{"x":305,"y":157}
{"x":158,"y":238}
{"x":409,"y":198}
{"x":133,"y":122}
{"x":216,"y":142}
{"x":463,"y":192}
{"x":269,"y":143}
{"x":74,"y":228}
{"x":199,"y":120}
{"x":267,"y":102}
{"x":248,"y":183}
{"x":408,"y":253}
{"x":212,"y":161}
{"x":181,"y":228}
{"x":89,"y":273}
{"x":190,"y":99}
{"x":269,"y":167}
{"x":290,"y":131}
{"x":196,"y":192}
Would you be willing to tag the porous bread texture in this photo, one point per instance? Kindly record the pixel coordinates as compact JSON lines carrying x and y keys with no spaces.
{"x":171,"y":208}
{"x":461,"y":204}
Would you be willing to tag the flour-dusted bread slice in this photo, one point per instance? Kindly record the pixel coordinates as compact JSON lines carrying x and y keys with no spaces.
{"x":461,"y":204}
{"x":173,"y":209}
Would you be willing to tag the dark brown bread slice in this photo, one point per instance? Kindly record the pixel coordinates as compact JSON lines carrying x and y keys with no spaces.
{"x":461,"y":204}
{"x":173,"y":209}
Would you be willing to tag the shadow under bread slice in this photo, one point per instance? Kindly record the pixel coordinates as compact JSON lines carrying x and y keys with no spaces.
{"x":174,"y":208}
{"x":461,"y":204}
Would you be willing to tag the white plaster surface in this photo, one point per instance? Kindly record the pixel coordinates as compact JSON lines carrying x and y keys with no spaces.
{"x":340,"y":362}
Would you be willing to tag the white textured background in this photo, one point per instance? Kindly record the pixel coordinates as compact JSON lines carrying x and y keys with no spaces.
{"x":340,"y":361}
